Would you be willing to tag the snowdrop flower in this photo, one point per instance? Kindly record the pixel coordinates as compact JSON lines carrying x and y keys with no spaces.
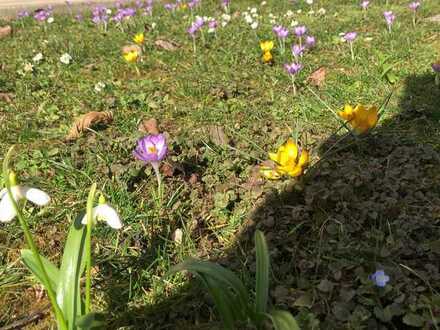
{"x":263,"y":3}
{"x":289,"y":14}
{"x":37,"y":58}
{"x":28,"y":67}
{"x":322,"y":11}
{"x":253,"y":10}
{"x":50,"y":20}
{"x":104,"y":212}
{"x":254,"y":25}
{"x":65,"y":58}
{"x":309,"y":2}
{"x":36,"y":196}
{"x":153,"y":25}
{"x":99,"y":86}
{"x":294,"y":23}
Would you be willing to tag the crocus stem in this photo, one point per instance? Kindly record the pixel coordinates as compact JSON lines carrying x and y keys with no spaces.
{"x":293,"y":85}
{"x":88,"y":246}
{"x":194,"y":46}
{"x":159,"y":181}
{"x":137,"y":70}
{"x":28,"y":236}
{"x":351,"y":51}
{"x":437,"y":79}
{"x":414,"y":19}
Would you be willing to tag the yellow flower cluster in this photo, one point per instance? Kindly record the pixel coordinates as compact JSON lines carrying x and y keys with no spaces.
{"x":289,"y":160}
{"x":361,"y":118}
{"x":266,"y":47}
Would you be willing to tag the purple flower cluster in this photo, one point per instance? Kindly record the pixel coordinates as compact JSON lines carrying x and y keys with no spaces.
{"x":300,"y":31}
{"x":99,"y":14}
{"x":123,"y":13}
{"x":293,"y":68}
{"x":196,"y":26}
{"x":22,"y":14}
{"x":414,"y":5}
{"x":280,"y":31}
{"x":225,"y":3}
{"x":350,"y":36}
{"x":310,"y":41}
{"x":389,"y":18}
{"x":170,"y":6}
{"x":43,"y":14}
{"x":365,"y":4}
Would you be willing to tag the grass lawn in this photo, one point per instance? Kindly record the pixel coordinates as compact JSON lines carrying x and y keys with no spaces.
{"x":365,"y":203}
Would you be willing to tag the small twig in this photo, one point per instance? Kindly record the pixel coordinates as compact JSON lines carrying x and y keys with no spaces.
{"x":20,"y":324}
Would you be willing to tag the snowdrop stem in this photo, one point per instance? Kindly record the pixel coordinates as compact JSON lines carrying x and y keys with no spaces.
{"x":88,"y":249}
{"x":28,"y":236}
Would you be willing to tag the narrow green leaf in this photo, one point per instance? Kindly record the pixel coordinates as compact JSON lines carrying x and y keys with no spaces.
{"x":216,"y":272}
{"x":224,"y":302}
{"x":72,"y":267}
{"x":31,"y":263}
{"x":91,"y":321}
{"x":283,"y":320}
{"x":262,"y":276}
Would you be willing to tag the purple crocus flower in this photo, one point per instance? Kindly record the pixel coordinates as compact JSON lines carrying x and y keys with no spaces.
{"x":365,"y":4}
{"x":300,"y":31}
{"x":151,"y":149}
{"x":42,"y":15}
{"x":170,"y":6}
{"x":225,"y":3}
{"x":297,"y":50}
{"x":196,"y":26}
{"x":310,"y":41}
{"x":436,"y":67}
{"x":293,"y":68}
{"x":280,"y":31}
{"x":23,"y":14}
{"x":414,"y":5}
{"x":99,"y":14}
{"x":78,"y":17}
{"x":193,"y":3}
{"x":389,"y":18}
{"x":379,"y":278}
{"x":212,"y":25}
{"x":350,"y":36}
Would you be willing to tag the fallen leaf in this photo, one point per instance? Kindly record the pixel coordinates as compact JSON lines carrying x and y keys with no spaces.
{"x":193,"y":179}
{"x":87,"y":121}
{"x":7,"y":97}
{"x":167,"y":45}
{"x":5,"y":31}
{"x":435,"y":19}
{"x":149,"y":126}
{"x":131,"y":48}
{"x":218,"y":135}
{"x":317,"y":77}
{"x":167,"y":170}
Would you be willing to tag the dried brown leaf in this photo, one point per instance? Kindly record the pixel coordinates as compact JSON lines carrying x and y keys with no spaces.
{"x":131,"y":48}
{"x":87,"y":121}
{"x":5,"y":31}
{"x":7,"y":97}
{"x":218,"y":135}
{"x":317,"y":78}
{"x":149,"y":126}
{"x":167,"y":45}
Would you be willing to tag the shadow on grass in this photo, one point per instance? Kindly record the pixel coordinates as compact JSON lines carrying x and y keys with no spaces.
{"x":373,"y":203}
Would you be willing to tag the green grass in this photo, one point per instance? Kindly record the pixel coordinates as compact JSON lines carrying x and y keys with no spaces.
{"x":365,"y":205}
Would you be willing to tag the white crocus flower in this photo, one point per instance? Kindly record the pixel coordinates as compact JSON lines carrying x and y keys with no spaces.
{"x":104,"y":212}
{"x":65,"y":58}
{"x":37,"y":58}
{"x":7,"y":210}
{"x":50,"y":20}
{"x":254,"y":25}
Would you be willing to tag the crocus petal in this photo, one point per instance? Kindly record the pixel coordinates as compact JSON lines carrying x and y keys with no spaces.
{"x":35,"y":195}
{"x":109,"y":215}
{"x":303,"y":159}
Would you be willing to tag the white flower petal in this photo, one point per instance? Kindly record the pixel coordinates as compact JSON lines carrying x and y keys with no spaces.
{"x":7,"y":211}
{"x":109,"y":215}
{"x":84,"y":219}
{"x":35,"y":195}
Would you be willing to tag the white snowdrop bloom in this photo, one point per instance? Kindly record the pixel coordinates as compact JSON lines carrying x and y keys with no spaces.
{"x":108,"y":11}
{"x":368,"y":39}
{"x":226,"y":17}
{"x":272,"y":21}
{"x":254,"y":25}
{"x":294,"y":23}
{"x":37,"y":58}
{"x":65,"y":58}
{"x":311,"y":12}
{"x":34,"y":195}
{"x":249,"y":19}
{"x":253,"y":10}
{"x":299,"y":11}
{"x":263,"y":3}
{"x":153,"y":25}
{"x":245,"y":13}
{"x":50,"y":20}
{"x":255,"y":15}
{"x":99,"y":86}
{"x":322,"y":11}
{"x":104,"y":212}
{"x":309,"y":2}
{"x":289,"y":14}
{"x":28,"y":67}
{"x":270,"y":15}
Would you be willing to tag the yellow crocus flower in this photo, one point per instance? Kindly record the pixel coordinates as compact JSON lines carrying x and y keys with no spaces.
{"x":131,"y":56}
{"x":139,"y":38}
{"x":267,"y":57}
{"x":289,"y":161}
{"x":361,"y":118}
{"x":266,"y":46}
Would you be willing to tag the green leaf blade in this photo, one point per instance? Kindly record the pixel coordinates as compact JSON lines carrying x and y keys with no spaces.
{"x":31,"y":263}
